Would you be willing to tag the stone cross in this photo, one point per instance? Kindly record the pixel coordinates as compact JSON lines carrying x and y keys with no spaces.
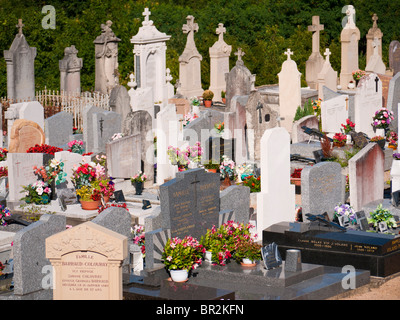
{"x":375,"y":19}
{"x":316,"y":27}
{"x":146,"y":14}
{"x":20,"y":25}
{"x":239,"y":54}
{"x":220,"y":31}
{"x":327,"y":53}
{"x":288,"y":53}
{"x":190,"y":28}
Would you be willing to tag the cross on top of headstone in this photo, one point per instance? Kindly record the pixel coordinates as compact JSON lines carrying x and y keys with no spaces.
{"x":375,"y":19}
{"x":327,"y":53}
{"x":220,"y":31}
{"x":146,"y":14}
{"x":288,"y":53}
{"x":20,"y":25}
{"x":239,"y":54}
{"x":350,"y":13}
{"x":316,"y":27}
{"x":190,"y":25}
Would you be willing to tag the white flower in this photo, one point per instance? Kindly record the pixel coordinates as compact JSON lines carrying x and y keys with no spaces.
{"x":39,"y":191}
{"x":54,"y":163}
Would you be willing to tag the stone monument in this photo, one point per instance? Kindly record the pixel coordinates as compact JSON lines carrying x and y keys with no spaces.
{"x":374,"y":33}
{"x":70,"y":71}
{"x":315,"y":61}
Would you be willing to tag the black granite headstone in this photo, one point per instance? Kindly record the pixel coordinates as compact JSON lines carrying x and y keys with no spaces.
{"x":396,"y":198}
{"x":271,"y":256}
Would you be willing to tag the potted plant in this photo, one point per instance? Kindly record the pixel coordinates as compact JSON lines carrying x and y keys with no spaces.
{"x":138,"y":182}
{"x":381,"y":120}
{"x":347,"y":128}
{"x":208,"y":95}
{"x":253,"y":183}
{"x":382,"y":215}
{"x":180,"y":256}
{"x":223,"y":96}
{"x":37,"y":193}
{"x":247,"y":253}
{"x":211,"y":166}
{"x":53,"y":174}
{"x":89,"y":196}
{"x":227,"y":170}
{"x":392,"y":138}
{"x":295,"y":177}
{"x":379,"y":140}
{"x":358,"y":74}
{"x":344,"y":210}
{"x":219,"y":127}
{"x":76,"y":146}
{"x":139,"y":238}
{"x":107,"y":187}
{"x":339,"y":140}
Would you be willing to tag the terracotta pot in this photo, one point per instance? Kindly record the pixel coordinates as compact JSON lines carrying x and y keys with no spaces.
{"x":339,"y":144}
{"x":207,"y":103}
{"x":296,"y":181}
{"x":90,"y":205}
{"x":224,"y":100}
{"x":225,"y":183}
{"x":212,"y":170}
{"x":106,"y":199}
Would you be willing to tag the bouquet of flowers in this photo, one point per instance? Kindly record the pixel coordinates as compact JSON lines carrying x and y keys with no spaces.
{"x":358,"y":74}
{"x":348,"y":126}
{"x":253,"y":183}
{"x":44,"y":148}
{"x":195,"y":152}
{"x":219,"y":127}
{"x":243,"y":171}
{"x":76,"y":146}
{"x":4,"y":212}
{"x":296,"y":173}
{"x":182,"y":254}
{"x":139,"y":177}
{"x":392,"y":138}
{"x":182,"y":158}
{"x":3,"y":154}
{"x":37,"y":193}
{"x":227,"y":168}
{"x":345,"y":210}
{"x":339,"y":138}
{"x":377,"y":138}
{"x":139,"y":238}
{"x":3,"y":172}
{"x":189,"y":118}
{"x":382,"y":118}
{"x":89,"y":192}
{"x":382,"y":215}
{"x":107,"y":186}
{"x":54,"y":171}
{"x":396,"y":156}
{"x":85,"y":173}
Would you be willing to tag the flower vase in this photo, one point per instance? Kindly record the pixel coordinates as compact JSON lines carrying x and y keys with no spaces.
{"x":348,"y":140}
{"x":225,"y":183}
{"x":138,"y":187}
{"x":179,"y":275}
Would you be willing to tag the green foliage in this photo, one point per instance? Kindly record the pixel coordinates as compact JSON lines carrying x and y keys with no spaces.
{"x":304,"y":111}
{"x":382,"y":215}
{"x":264,"y":29}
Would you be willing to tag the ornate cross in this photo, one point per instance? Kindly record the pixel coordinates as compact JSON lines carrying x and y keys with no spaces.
{"x":20,"y":25}
{"x":327,"y":53}
{"x":239,"y":54}
{"x":316,"y":27}
{"x":220,"y":31}
{"x":288,"y":53}
{"x":146,"y":14}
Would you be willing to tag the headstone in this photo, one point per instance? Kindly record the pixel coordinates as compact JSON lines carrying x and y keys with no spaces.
{"x":394,"y":99}
{"x":216,"y":147}
{"x":106,"y":59}
{"x":70,"y":160}
{"x":349,"y":38}
{"x":20,"y":60}
{"x":315,"y":61}
{"x":236,"y":199}
{"x":58,"y":129}
{"x":25,"y":134}
{"x":368,"y":99}
{"x":238,"y":80}
{"x":298,"y":134}
{"x":271,"y":256}
{"x":87,"y":262}
{"x":322,"y":188}
{"x":219,"y":63}
{"x":359,"y":139}
{"x":155,"y":243}
{"x":327,"y":76}
{"x":394,"y":56}
{"x":276,"y":190}
{"x":374,"y":33}
{"x":140,"y":122}
{"x":289,"y":91}
{"x":375,"y":63}
{"x":190,"y":203}
{"x":70,"y":71}
{"x":120,"y":101}
{"x":29,"y":254}
{"x":123,"y":156}
{"x":366,"y":176}
{"x":293,"y":260}
{"x":150,"y":58}
{"x":334,"y":112}
{"x":190,"y":62}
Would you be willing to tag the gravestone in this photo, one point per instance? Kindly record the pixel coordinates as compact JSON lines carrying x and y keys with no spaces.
{"x":140,"y":122}
{"x":190,"y":203}
{"x":394,"y":99}
{"x":87,"y":262}
{"x":322,"y":188}
{"x":155,"y":243}
{"x":374,"y":33}
{"x":20,"y":60}
{"x":366,"y":176}
{"x":106,"y":59}
{"x":289,"y":91}
{"x":236,"y":199}
{"x":349,"y":38}
{"x":394,"y":56}
{"x":150,"y":58}
{"x":219,"y":63}
{"x":298,"y":134}
{"x":25,"y":134}
{"x":190,"y":62}
{"x":334,"y":112}
{"x":271,"y":256}
{"x":367,"y":100}
{"x":123,"y":156}
{"x":29,"y":254}
{"x":276,"y":190}
{"x":327,"y":76}
{"x":120,"y":101}
{"x":315,"y":61}
{"x":70,"y":71}
{"x":58,"y":129}
{"x":218,"y":147}
{"x":375,"y":63}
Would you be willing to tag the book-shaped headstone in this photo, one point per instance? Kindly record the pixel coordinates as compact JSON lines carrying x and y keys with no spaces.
{"x":271,"y":256}
{"x":146,"y":204}
{"x":344,"y":221}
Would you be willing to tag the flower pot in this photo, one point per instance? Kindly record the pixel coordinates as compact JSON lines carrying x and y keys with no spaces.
{"x":296,"y":181}
{"x":380,"y":132}
{"x":339,"y":144}
{"x":106,"y":199}
{"x":90,"y":205}
{"x":212,"y":170}
{"x":207,"y":103}
{"x":223,"y":100}
{"x":208,"y":254}
{"x":138,"y":187}
{"x":225,"y":183}
{"x":248,"y":263}
{"x":179,"y":275}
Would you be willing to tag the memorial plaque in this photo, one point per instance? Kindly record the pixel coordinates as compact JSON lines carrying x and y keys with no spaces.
{"x":382,"y":226}
{"x":190,"y":203}
{"x":68,"y":195}
{"x":344,"y":221}
{"x":25,"y":134}
{"x":119,"y":196}
{"x":271,"y":256}
{"x":359,"y":139}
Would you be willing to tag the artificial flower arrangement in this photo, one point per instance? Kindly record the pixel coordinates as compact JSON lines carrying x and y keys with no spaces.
{"x":194,"y":101}
{"x":182,"y":158}
{"x":377,"y":138}
{"x":339,"y":139}
{"x":107,"y":186}
{"x":4,"y":212}
{"x":382,"y":215}
{"x":253,"y":183}
{"x":219,"y":127}
{"x":139,"y":177}
{"x":89,"y":193}
{"x":392,"y":138}
{"x":3,"y":172}
{"x":53,"y":171}
{"x":345,"y":210}
{"x":85,"y":173}
{"x":76,"y":146}
{"x":358,"y":74}
{"x":37,"y":193}
{"x":3,"y":154}
{"x":44,"y":148}
{"x":244,"y":170}
{"x":227,"y":168}
{"x":189,"y":118}
{"x":139,"y":238}
{"x":396,"y":156}
{"x":316,"y":105}
{"x":296,"y":173}
{"x":182,"y":254}
{"x":382,"y":118}
{"x":348,"y":126}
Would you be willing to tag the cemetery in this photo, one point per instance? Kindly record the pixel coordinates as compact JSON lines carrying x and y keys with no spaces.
{"x":157,"y":188}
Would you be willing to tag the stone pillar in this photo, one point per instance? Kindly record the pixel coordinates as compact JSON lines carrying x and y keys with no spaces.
{"x":219,"y":63}
{"x":70,"y":71}
{"x":106,"y":56}
{"x":349,"y":37}
{"x":315,"y":61}
{"x":373,"y":33}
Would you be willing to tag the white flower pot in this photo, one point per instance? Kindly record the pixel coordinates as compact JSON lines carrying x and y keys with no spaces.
{"x":247,"y":261}
{"x":380,"y":132}
{"x":348,"y":141}
{"x":208,"y":256}
{"x":395,"y":175}
{"x":179,"y":275}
